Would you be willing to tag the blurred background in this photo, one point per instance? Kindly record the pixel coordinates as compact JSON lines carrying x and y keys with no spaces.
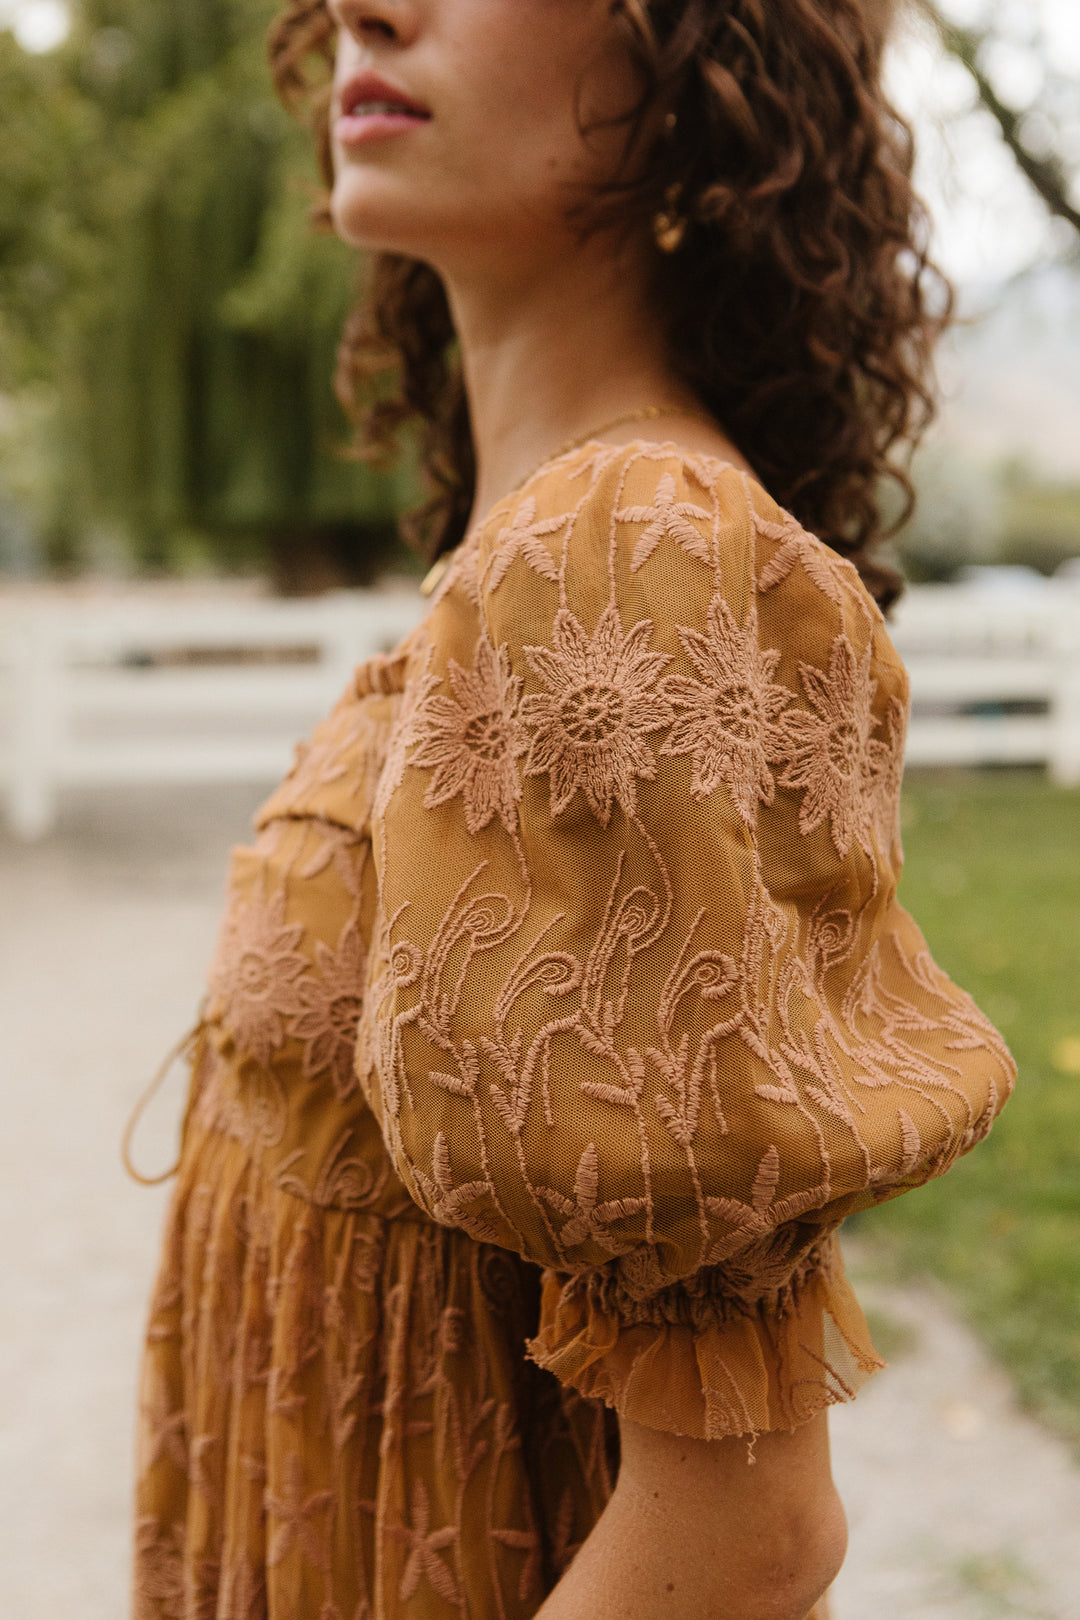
{"x":188,"y":570}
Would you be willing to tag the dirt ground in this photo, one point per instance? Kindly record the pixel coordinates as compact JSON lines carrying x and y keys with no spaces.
{"x":960,"y":1507}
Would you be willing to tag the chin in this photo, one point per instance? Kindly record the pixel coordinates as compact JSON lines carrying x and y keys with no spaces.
{"x":361,"y":216}
{"x":359,"y":226}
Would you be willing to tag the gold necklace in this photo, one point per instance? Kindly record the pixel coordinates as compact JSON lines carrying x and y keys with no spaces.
{"x":645,"y":413}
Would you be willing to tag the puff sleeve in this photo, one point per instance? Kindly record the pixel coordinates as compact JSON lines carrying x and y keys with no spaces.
{"x":648,"y":1012}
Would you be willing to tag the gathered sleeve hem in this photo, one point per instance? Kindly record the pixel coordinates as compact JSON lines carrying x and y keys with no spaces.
{"x":700,"y":1361}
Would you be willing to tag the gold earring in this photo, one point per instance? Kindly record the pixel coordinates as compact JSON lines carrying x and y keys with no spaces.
{"x":669,"y":226}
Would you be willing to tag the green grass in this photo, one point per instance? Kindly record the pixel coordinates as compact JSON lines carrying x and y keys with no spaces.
{"x":992,"y":875}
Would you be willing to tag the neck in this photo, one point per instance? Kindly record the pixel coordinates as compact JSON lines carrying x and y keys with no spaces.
{"x":554,"y":352}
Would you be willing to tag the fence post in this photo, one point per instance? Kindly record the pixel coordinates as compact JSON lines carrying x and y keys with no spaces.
{"x":1065,"y":739}
{"x":341,"y":651}
{"x":1064,"y":761}
{"x":36,"y":726}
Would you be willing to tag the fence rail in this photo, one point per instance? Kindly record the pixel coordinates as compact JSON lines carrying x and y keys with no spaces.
{"x":213,"y":691}
{"x":995,"y":675}
{"x":180,"y":692}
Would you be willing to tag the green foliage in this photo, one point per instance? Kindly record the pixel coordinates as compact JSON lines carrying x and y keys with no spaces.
{"x":190,"y":316}
{"x":1041,"y":525}
{"x":975,"y":511}
{"x":52,"y":137}
{"x":957,"y":518}
{"x":993,"y":878}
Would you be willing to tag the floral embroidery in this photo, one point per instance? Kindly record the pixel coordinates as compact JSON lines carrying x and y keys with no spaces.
{"x":473,"y":740}
{"x":329,"y":1013}
{"x":160,"y":1552}
{"x":342,"y":847}
{"x":590,"y":730}
{"x":253,"y":981}
{"x":530,"y":1585}
{"x":244,"y":1590}
{"x":294,"y":1512}
{"x":742,"y":1027}
{"x":461,"y":573}
{"x":831,"y":752}
{"x":587,"y":1218}
{"x":347,"y":750}
{"x":425,"y":1545}
{"x":886,"y":793}
{"x":710,"y":1023}
{"x":667,"y":517}
{"x":419,"y":687}
{"x":453,"y":1204}
{"x":167,"y":1429}
{"x":833,"y":575}
{"x":728,"y":724}
{"x":522,"y":537}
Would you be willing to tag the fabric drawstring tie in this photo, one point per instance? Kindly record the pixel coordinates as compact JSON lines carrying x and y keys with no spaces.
{"x":184,"y":1048}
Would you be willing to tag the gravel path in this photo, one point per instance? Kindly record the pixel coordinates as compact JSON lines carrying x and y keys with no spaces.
{"x":960,"y":1507}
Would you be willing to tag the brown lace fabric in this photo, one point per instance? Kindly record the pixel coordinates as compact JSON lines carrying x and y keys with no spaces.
{"x":570,"y":942}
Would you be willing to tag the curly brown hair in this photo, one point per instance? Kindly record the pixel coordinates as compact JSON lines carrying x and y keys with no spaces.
{"x":802,"y":308}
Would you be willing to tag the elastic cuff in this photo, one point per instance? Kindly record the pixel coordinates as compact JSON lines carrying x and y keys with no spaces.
{"x":773,"y":1365}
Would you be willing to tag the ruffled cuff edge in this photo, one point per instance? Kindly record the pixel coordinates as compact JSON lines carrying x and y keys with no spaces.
{"x":772,"y":1366}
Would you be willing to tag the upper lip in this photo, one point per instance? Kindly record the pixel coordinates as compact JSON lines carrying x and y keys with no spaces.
{"x":369,"y":87}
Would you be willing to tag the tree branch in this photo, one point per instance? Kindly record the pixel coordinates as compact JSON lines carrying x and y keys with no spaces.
{"x":1045,"y":174}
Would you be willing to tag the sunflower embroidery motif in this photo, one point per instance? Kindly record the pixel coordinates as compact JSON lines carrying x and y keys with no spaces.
{"x":727,"y":719}
{"x":601,"y":704}
{"x":472,"y":740}
{"x":330,"y":1005}
{"x":253,"y":980}
{"x":401,"y":734}
{"x":886,"y":806}
{"x":830,"y":751}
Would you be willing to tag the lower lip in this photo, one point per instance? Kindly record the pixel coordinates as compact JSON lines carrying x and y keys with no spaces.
{"x":351,"y":130}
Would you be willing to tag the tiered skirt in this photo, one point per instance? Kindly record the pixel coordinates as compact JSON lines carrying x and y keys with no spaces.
{"x":338,"y":1420}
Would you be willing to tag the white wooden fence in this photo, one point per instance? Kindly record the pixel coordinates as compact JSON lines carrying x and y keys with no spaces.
{"x":220,"y":691}
{"x":995,"y":674}
{"x":137,"y":691}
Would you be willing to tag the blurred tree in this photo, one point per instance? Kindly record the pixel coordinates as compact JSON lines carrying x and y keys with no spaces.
{"x":53,"y":146}
{"x":51,"y":140}
{"x":1042,"y":130}
{"x":156,"y":267}
{"x":959,"y":516}
{"x":192,"y":327}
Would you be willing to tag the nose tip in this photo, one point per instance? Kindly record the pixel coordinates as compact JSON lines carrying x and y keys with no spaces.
{"x":379,"y":21}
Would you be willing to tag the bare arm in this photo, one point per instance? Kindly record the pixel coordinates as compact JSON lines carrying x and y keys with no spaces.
{"x":694,"y":1531}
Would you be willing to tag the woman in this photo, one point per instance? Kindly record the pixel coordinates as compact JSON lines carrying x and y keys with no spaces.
{"x":571,"y":940}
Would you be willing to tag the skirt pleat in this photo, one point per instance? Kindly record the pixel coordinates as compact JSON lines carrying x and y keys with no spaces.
{"x":338,"y":1421}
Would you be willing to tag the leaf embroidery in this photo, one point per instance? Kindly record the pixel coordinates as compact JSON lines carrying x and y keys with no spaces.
{"x":587,"y":1218}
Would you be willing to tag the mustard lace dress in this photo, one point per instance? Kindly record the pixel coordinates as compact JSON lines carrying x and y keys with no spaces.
{"x":561,"y":1012}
